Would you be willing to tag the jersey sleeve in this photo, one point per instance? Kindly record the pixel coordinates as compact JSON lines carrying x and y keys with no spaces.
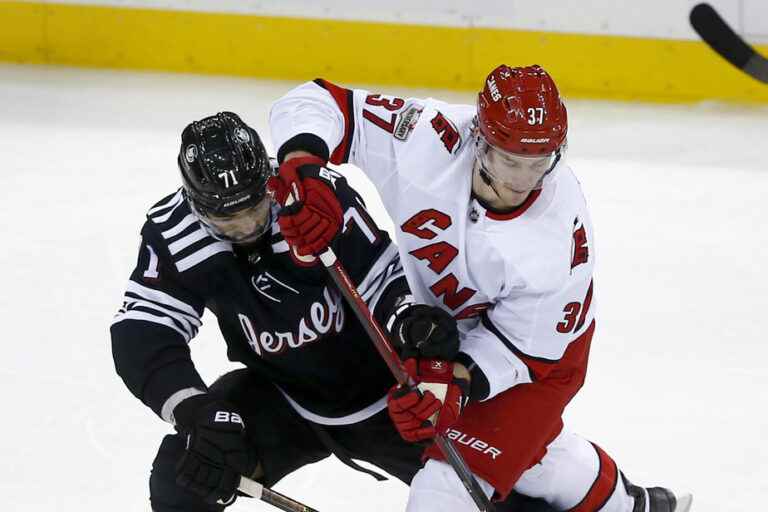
{"x":152,"y":328}
{"x":344,"y":126}
{"x":529,"y":336}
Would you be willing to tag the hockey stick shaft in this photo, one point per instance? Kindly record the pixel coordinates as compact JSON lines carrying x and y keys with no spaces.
{"x":392,"y":359}
{"x":256,"y":490}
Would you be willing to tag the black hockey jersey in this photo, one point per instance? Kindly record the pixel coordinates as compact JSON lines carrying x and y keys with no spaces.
{"x":279,"y":318}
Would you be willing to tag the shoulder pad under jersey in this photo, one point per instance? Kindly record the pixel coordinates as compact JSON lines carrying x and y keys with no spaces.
{"x":189,"y":244}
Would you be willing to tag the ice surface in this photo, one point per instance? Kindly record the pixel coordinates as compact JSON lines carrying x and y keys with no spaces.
{"x":678,"y":380}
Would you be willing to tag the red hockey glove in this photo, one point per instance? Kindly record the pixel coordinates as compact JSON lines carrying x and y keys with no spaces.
{"x":431,"y":407}
{"x":311,"y":215}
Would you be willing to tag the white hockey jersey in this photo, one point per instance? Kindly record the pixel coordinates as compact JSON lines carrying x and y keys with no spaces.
{"x":520,"y":284}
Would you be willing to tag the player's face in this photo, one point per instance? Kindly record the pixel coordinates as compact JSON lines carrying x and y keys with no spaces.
{"x":517,"y":173}
{"x":243,"y":226}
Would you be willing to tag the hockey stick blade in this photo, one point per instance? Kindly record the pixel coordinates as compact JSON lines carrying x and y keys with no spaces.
{"x":713,"y":29}
{"x":254,"y":489}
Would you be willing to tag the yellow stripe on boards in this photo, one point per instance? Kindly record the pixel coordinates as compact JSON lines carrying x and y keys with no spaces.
{"x":585,"y":66}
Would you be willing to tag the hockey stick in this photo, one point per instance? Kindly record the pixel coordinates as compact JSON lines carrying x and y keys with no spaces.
{"x":256,"y":490}
{"x":379,"y":338}
{"x":720,"y":37}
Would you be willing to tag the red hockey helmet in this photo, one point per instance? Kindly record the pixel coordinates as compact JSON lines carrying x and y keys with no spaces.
{"x":520,"y":111}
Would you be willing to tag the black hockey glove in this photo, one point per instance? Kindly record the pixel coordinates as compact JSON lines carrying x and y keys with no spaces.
{"x":426,"y":331}
{"x":217,"y":452}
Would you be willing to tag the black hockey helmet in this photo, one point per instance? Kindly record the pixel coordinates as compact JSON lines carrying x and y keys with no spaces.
{"x":224,"y":167}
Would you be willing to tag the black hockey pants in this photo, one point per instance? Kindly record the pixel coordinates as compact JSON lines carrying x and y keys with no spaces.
{"x":285,"y":442}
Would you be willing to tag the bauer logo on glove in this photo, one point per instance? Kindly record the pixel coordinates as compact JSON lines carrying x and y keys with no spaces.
{"x":227,"y":417}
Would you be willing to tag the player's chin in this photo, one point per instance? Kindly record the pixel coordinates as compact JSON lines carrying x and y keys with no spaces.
{"x":518,"y":188}
{"x":246,"y":238}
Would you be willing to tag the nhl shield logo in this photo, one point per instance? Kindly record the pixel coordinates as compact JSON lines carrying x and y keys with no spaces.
{"x":190,"y":154}
{"x":242,"y":135}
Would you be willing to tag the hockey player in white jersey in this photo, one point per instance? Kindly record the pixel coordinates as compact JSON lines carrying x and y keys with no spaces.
{"x":493,"y":229}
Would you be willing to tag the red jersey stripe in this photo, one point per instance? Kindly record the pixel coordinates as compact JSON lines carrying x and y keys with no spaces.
{"x":344,"y":100}
{"x":585,"y":308}
{"x":518,"y":211}
{"x":603,"y":486}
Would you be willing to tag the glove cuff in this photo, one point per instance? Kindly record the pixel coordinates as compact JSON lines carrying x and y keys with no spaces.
{"x":426,"y":331}
{"x":166,"y":412}
{"x":396,"y":324}
{"x":479,"y":388}
{"x":184,"y":414}
{"x":304,"y":142}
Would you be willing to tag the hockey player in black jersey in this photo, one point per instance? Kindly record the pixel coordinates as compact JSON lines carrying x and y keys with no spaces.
{"x":313,"y":384}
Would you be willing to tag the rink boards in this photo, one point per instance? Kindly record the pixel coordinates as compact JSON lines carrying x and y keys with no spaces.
{"x":588,"y":65}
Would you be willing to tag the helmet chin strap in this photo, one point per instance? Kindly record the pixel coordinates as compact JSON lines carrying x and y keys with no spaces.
{"x":487,"y":178}
{"x":484,"y":174}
